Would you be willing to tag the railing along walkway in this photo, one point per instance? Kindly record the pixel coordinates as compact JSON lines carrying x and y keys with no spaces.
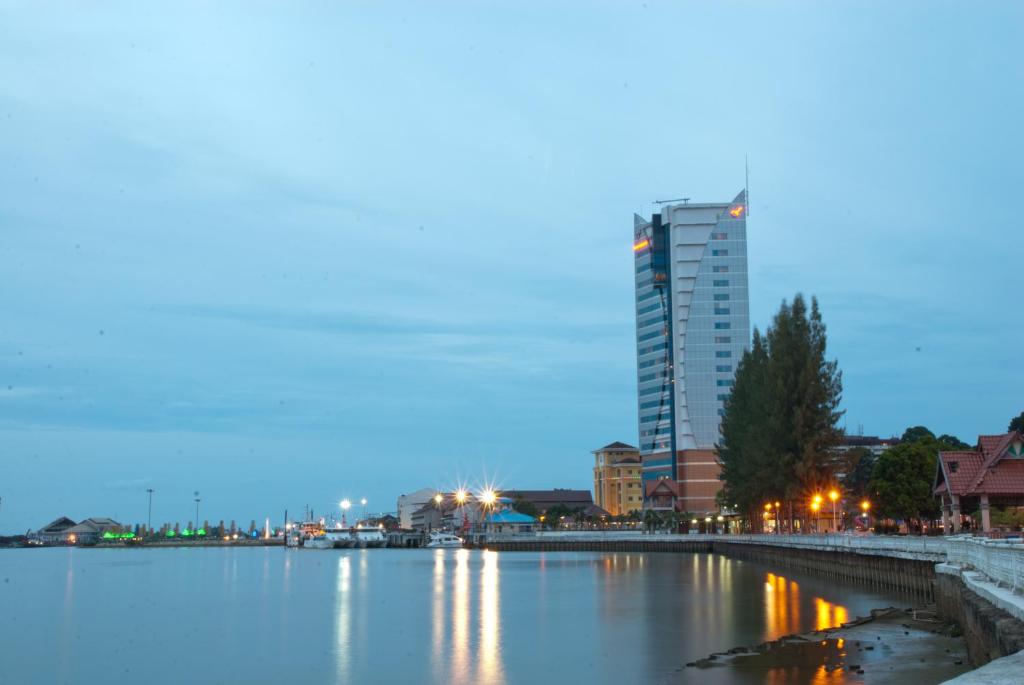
{"x":1002,"y":561}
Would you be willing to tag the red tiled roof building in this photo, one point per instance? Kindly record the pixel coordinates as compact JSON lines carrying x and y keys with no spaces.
{"x":990,"y":474}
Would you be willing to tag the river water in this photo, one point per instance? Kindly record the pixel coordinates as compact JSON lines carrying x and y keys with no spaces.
{"x":271,"y":615}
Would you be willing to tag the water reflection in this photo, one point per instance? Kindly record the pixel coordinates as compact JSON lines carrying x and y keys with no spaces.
{"x":437,"y":617}
{"x":460,"y":617}
{"x":343,"y":620}
{"x":490,"y":666}
{"x":782,"y":608}
{"x":828,"y":615}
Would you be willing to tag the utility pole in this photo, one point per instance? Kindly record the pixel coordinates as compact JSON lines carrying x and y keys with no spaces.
{"x":196,"y":526}
{"x":149,"y":516}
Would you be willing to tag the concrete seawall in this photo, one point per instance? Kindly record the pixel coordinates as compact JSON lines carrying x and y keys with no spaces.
{"x":911,"y":576}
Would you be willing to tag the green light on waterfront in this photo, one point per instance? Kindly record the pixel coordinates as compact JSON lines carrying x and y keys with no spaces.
{"x":201,"y":531}
{"x":170,"y":533}
{"x":186,"y":533}
{"x":109,"y":535}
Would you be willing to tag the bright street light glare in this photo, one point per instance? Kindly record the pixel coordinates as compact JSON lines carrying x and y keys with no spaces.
{"x":345,"y":504}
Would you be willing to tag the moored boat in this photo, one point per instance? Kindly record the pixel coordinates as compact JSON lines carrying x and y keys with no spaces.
{"x":369,"y":537}
{"x":443,"y":539}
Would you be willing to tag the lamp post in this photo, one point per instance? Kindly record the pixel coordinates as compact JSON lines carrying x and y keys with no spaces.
{"x":488,"y":497}
{"x":815,"y":507}
{"x":460,"y":499}
{"x":345,"y":504}
{"x":363,"y":502}
{"x":149,"y":516}
{"x":196,"y":526}
{"x":768,"y":515}
{"x":865,"y":506}
{"x":834,"y":496}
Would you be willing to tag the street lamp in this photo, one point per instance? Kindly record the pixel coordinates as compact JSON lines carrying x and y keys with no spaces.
{"x":149,"y":516}
{"x":345,"y":505}
{"x":815,"y":506}
{"x":196,"y":526}
{"x":768,"y":515}
{"x":834,"y":495}
{"x":460,"y":496}
{"x":864,"y":507}
{"x":438,"y":498}
{"x":363,"y":502}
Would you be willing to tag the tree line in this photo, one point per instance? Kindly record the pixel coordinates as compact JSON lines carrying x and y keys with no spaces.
{"x":780,"y":430}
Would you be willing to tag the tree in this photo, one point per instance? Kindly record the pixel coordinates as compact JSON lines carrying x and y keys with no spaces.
{"x":745,"y":421}
{"x":951,"y":442}
{"x":525,"y":507}
{"x":1017,"y":423}
{"x":860,"y":463}
{"x":780,"y":423}
{"x":901,"y":484}
{"x":553,"y":516}
{"x":915,"y":433}
{"x":651,"y":520}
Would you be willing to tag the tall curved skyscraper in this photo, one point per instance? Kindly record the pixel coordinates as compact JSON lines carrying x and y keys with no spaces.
{"x":692,"y":326}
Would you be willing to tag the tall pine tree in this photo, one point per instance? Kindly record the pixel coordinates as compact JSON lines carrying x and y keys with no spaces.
{"x":781,"y":423}
{"x":744,"y":425}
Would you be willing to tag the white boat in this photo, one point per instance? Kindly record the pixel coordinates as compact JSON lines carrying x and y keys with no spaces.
{"x":339,"y":537}
{"x":441,"y":539}
{"x":318,"y":542}
{"x":369,"y":537}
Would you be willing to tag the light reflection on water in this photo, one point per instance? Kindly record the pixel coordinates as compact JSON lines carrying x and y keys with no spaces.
{"x":343,"y":619}
{"x":432,"y":616}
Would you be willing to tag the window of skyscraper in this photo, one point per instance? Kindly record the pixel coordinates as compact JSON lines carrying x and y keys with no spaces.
{"x":721,"y":282}
{"x":720,"y":269}
{"x":723,"y":368}
{"x":719,"y":253}
{"x":723,"y":338}
{"x":721,"y":310}
{"x":722,"y":325}
{"x":721,"y":297}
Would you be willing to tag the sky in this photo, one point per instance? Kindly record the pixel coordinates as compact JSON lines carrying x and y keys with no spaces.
{"x":287,"y":253}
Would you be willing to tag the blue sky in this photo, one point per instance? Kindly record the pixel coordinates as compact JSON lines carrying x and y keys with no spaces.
{"x":285,"y":254}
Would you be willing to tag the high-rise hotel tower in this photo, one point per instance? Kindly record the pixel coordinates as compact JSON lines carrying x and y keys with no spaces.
{"x":692,"y":326}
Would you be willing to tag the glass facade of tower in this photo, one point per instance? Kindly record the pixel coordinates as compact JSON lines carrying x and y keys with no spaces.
{"x":693,"y":324}
{"x":653,"y":324}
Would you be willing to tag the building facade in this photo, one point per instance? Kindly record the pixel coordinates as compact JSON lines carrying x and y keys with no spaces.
{"x":408,"y":504}
{"x":692,"y":327}
{"x":990,"y":475}
{"x":617,"y":482}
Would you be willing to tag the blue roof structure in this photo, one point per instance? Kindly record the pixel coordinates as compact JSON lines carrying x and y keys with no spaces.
{"x":509,"y":516}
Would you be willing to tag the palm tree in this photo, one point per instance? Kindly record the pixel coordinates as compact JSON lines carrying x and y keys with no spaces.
{"x":671,"y":521}
{"x":651,"y":520}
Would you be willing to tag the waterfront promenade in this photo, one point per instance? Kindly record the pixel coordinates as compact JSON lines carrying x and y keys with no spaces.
{"x":1000,"y":561}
